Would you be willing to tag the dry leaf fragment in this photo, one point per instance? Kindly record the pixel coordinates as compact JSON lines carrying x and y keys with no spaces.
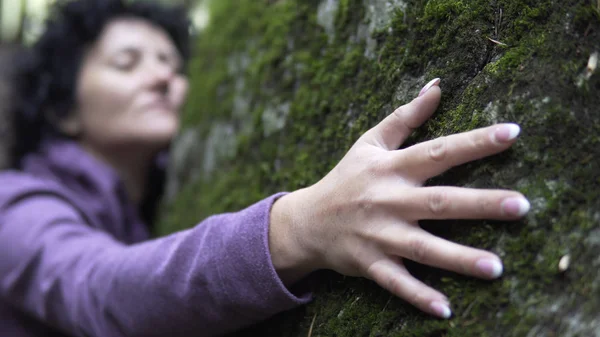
{"x":498,"y":42}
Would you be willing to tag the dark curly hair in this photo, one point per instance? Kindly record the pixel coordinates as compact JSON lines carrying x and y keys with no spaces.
{"x":47,"y":72}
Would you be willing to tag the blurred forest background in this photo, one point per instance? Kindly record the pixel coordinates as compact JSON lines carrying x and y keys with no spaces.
{"x":21,"y":21}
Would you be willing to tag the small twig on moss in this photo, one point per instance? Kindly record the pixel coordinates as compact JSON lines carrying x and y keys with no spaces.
{"x":497,"y":42}
{"x":497,"y":23}
{"x":311,"y":325}
{"x":589,"y":28}
{"x":468,"y":309}
{"x":386,"y":304}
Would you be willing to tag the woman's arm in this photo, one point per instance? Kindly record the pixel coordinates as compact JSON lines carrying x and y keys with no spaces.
{"x":213,"y":278}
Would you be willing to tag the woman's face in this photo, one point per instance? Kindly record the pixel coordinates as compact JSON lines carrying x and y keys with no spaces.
{"x":129,"y":89}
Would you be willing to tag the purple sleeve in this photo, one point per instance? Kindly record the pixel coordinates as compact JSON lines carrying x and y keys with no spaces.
{"x":208,"y":280}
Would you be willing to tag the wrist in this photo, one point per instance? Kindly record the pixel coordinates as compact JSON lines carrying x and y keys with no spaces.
{"x":291,"y":256}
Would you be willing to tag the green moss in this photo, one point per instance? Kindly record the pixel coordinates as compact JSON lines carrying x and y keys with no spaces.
{"x":336,"y":94}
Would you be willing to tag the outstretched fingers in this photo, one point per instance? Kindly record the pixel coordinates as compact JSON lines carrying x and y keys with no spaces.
{"x":445,"y":202}
{"x":423,"y":247}
{"x":392,"y":131}
{"x":429,"y":159}
{"x":393,"y":276}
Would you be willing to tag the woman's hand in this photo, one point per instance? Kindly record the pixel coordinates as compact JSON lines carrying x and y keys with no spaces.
{"x":362,"y":218}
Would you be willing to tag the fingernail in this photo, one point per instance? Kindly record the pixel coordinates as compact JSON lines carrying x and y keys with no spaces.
{"x":429,"y":86}
{"x":441,"y":309}
{"x":490,"y":267}
{"x":507,"y":132}
{"x":516,"y":206}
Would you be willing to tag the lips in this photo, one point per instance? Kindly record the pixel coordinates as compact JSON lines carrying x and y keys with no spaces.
{"x":161,"y":104}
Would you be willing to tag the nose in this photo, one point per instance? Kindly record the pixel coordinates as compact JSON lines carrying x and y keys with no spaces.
{"x":164,"y":71}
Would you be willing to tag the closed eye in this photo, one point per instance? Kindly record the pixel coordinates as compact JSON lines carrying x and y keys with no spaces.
{"x":126,"y":59}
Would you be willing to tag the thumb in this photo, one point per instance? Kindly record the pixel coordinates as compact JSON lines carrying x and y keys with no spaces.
{"x":393,"y":130}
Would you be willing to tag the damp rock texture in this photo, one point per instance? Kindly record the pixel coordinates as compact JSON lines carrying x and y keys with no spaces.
{"x":282,"y":88}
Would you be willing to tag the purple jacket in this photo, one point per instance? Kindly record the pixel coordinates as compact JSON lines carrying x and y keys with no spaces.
{"x":77,"y":261}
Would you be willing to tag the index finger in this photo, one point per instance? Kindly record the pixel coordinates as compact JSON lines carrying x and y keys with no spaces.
{"x":429,"y":159}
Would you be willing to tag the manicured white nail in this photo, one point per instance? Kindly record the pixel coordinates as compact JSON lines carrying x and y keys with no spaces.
{"x":507,"y":132}
{"x":441,"y":309}
{"x":429,"y":85}
{"x":516,"y":206}
{"x":490,"y":267}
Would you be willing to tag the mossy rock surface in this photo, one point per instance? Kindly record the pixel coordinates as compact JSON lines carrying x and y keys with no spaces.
{"x":282,"y":88}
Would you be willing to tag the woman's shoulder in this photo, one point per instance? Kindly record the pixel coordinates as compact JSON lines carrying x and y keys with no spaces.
{"x":17,"y":185}
{"x":19,"y":179}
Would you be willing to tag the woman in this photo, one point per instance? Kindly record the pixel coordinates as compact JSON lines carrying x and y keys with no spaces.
{"x":101,"y":95}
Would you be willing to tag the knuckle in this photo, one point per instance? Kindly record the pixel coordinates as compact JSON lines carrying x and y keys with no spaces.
{"x":394,"y":285}
{"x":416,"y":299}
{"x":365,"y":202}
{"x":356,"y":267}
{"x":376,"y":234}
{"x":465,"y":266}
{"x":418,"y":249}
{"x":398,"y":115}
{"x":378,"y":166}
{"x":438,"y":149}
{"x":401,"y":115}
{"x":438,"y":202}
{"x":478,"y":141}
{"x":484,"y":205}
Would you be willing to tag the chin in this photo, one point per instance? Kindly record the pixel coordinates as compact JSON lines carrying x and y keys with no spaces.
{"x":153,"y":139}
